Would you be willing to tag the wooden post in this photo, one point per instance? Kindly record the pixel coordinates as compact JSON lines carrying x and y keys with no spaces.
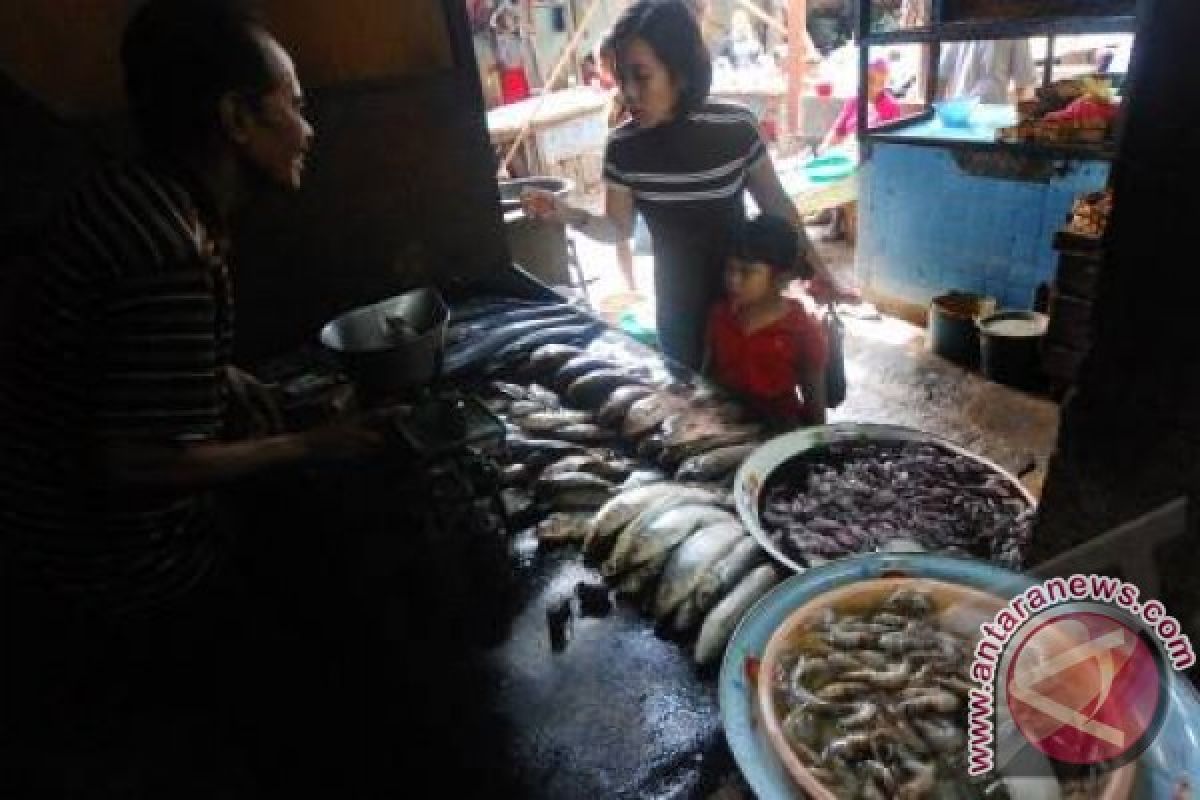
{"x":797,"y":62}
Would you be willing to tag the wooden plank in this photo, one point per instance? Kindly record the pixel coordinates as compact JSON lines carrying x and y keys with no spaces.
{"x":355,"y":40}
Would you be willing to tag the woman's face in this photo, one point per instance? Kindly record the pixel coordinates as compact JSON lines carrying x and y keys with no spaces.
{"x":651,"y":93}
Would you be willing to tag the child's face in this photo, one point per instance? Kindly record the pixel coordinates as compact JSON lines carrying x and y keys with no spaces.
{"x":749,"y":282}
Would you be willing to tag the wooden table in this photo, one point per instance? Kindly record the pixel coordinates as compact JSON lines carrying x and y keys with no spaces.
{"x":569,"y":123}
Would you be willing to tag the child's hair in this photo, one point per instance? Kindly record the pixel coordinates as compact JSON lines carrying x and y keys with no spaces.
{"x":773,"y":241}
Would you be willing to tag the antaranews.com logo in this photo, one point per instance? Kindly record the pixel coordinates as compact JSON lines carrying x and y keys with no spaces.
{"x":1076,"y":668}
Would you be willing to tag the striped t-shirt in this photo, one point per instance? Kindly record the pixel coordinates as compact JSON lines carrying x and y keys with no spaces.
{"x":122,"y":325}
{"x":687,"y":177}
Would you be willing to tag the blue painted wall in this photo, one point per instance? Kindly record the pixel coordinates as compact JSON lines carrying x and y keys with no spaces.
{"x":927,"y":227}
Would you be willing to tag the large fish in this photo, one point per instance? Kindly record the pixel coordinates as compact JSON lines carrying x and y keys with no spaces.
{"x":641,"y":577}
{"x":660,"y":533}
{"x":549,"y":358}
{"x":643,"y":477}
{"x":585,"y":433}
{"x":511,"y":308}
{"x":690,"y":559}
{"x":592,"y":389}
{"x":537,"y":453}
{"x":563,"y":527}
{"x":720,"y":623}
{"x":543,"y":422}
{"x":579,"y":366}
{"x":715,"y":464}
{"x":573,"y":491}
{"x":674,"y":454}
{"x":613,"y":412}
{"x":607,"y":465}
{"x":479,"y":349}
{"x":625,"y":507}
{"x":516,"y":352}
{"x":718,"y":580}
{"x":645,"y":415}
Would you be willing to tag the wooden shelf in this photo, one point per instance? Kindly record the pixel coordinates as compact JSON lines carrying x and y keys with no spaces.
{"x":1003,"y":29}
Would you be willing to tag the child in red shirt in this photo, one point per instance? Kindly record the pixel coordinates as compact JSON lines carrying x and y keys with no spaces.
{"x":762,"y":345}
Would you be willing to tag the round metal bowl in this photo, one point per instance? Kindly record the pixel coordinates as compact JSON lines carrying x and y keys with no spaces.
{"x":755,"y":472}
{"x":393,"y":345}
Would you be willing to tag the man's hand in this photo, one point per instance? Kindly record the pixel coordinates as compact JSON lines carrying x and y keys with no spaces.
{"x":347,"y":438}
{"x":253,"y":405}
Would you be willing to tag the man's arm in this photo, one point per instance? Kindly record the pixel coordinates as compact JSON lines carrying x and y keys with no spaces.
{"x":202,"y":464}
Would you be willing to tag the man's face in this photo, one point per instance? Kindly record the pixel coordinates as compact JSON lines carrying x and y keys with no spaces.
{"x":277,"y":137}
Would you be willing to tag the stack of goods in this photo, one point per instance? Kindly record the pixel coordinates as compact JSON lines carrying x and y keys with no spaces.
{"x":1074,"y":111}
{"x":1076,"y":282}
{"x":1089,"y":213}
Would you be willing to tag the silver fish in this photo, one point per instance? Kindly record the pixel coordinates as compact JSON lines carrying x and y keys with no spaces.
{"x":714,"y":464}
{"x":661,"y":535}
{"x":542,"y":422}
{"x":547,"y":486}
{"x":596,"y":387}
{"x":563,"y":527}
{"x":712,"y":440}
{"x":719,"y":625}
{"x":689,"y":561}
{"x":643,"y":477}
{"x":549,"y":358}
{"x":613,"y":412}
{"x":723,"y":576}
{"x":640,"y":578}
{"x":621,"y":510}
{"x":585,"y":433}
{"x":607,"y":465}
{"x":647,"y":414}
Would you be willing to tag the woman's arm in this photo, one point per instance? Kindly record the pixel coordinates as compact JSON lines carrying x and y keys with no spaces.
{"x":614,"y":225}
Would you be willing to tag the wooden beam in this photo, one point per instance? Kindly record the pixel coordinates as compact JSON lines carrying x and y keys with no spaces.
{"x":797,"y":62}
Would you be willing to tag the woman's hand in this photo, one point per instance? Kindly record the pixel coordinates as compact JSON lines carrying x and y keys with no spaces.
{"x":545,"y":205}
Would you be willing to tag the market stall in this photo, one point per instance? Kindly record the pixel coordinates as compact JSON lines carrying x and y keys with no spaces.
{"x":563,"y":127}
{"x":562,"y":575}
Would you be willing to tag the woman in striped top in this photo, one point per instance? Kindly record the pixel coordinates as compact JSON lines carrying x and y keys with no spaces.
{"x":683,"y":161}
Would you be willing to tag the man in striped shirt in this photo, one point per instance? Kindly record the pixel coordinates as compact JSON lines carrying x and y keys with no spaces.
{"x":115,"y":371}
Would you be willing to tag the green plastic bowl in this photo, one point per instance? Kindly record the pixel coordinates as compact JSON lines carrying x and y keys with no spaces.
{"x":828,"y":169}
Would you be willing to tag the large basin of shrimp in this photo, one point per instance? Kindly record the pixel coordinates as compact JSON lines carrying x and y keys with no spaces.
{"x":957,"y":609}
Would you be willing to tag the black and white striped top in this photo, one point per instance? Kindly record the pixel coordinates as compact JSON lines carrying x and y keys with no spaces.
{"x":701,"y":157}
{"x":123,"y":324}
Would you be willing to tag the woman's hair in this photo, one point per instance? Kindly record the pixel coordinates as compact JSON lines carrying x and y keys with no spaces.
{"x":670,"y":30}
{"x":180,"y":57}
{"x":771,"y":240}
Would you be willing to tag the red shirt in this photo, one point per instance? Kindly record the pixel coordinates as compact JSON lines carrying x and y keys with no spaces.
{"x":765,"y":365}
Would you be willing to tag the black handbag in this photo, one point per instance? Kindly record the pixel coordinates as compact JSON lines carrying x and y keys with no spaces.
{"x":835,"y":369}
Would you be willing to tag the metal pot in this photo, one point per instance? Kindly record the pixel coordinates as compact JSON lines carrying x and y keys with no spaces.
{"x":510,"y":191}
{"x":393,"y":345}
{"x":1010,"y":345}
{"x":953,"y":321}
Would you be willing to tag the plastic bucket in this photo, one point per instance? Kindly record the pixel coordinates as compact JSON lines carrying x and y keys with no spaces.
{"x":954,"y":326}
{"x":1010,"y":345}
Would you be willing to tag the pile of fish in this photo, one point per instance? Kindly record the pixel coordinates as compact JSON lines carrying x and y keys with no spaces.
{"x":854,"y":497}
{"x":875,"y":703}
{"x":614,"y":455}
